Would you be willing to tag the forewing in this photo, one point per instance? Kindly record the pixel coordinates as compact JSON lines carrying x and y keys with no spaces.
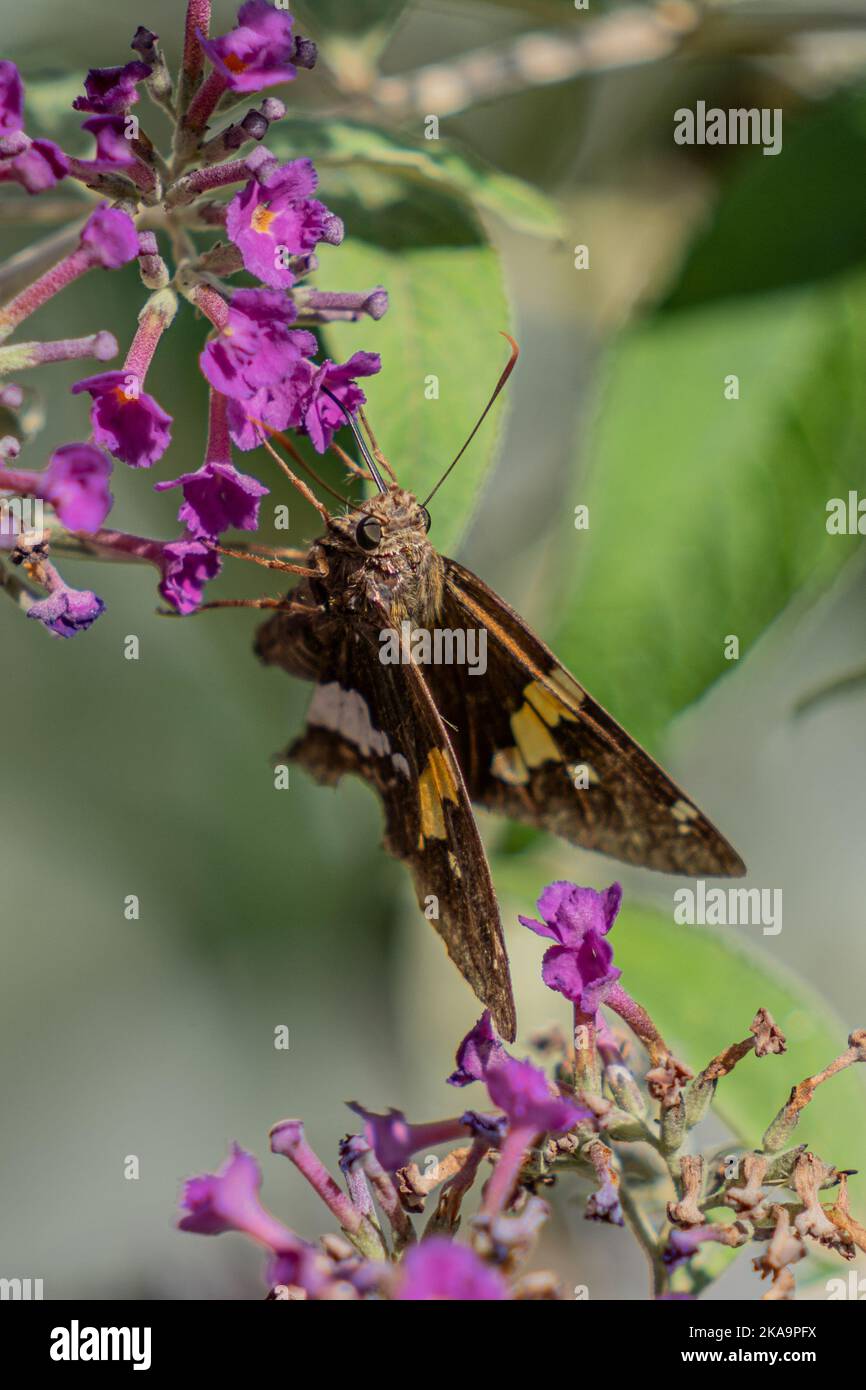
{"x":533,"y":745}
{"x":380,"y":723}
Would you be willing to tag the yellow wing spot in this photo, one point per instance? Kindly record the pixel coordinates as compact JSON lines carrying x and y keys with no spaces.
{"x":435,"y":786}
{"x":684,"y":811}
{"x":569,"y":687}
{"x":508,"y":766}
{"x":453,"y":865}
{"x":549,"y":707}
{"x":532,"y":738}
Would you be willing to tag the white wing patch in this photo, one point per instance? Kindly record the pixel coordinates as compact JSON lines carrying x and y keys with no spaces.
{"x":346,"y":712}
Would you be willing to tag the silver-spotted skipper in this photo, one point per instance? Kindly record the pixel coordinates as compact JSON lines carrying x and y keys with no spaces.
{"x":522,"y":738}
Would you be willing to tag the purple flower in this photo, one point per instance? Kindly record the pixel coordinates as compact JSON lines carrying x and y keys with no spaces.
{"x":260,"y":51}
{"x":76,"y":484}
{"x":394,"y":1140}
{"x":439,"y":1270}
{"x":298,"y":401}
{"x":577,"y":919}
{"x":272,"y":221}
{"x":110,"y":236}
{"x":186,"y":565}
{"x":682,"y":1245}
{"x":35,"y":164}
{"x":256,"y":348}
{"x":66,"y":611}
{"x":127,"y":421}
{"x":321,"y":417}
{"x":113,"y":150}
{"x":229,"y":1201}
{"x":523,"y":1092}
{"x":478,"y":1049}
{"x":11,"y":99}
{"x":216,"y":498}
{"x":112,"y":90}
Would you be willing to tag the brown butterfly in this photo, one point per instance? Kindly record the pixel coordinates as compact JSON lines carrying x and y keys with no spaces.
{"x":521,"y":737}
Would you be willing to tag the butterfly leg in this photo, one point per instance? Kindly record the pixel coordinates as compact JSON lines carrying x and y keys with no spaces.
{"x":271,"y":562}
{"x":280,"y":604}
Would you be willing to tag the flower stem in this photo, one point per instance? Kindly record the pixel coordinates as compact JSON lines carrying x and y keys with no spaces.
{"x":44,"y":288}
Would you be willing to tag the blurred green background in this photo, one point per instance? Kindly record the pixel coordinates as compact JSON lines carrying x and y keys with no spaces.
{"x":262,"y":908}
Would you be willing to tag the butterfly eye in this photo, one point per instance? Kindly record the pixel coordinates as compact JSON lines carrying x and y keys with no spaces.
{"x":425,"y":515}
{"x":368,"y":533}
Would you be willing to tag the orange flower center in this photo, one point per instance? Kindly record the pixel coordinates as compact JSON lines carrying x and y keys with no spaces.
{"x":262,"y":218}
{"x":234,"y":63}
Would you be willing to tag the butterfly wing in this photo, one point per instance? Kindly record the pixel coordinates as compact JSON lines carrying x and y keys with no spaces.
{"x":379,"y":722}
{"x":533,"y":745}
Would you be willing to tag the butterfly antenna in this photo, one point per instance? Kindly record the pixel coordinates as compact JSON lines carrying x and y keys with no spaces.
{"x":360,"y":440}
{"x":509,"y":368}
{"x":284,"y":441}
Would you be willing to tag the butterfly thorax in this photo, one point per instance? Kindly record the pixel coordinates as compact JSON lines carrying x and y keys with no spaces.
{"x":401,"y":576}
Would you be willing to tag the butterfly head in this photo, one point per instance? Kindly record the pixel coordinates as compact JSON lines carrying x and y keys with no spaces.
{"x":381,"y":557}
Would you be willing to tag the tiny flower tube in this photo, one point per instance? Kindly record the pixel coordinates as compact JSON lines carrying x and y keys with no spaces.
{"x":394,"y":1140}
{"x":191,"y":186}
{"x":196,"y":28}
{"x":288,"y":1138}
{"x":152,"y":268}
{"x":331,"y":306}
{"x":20,"y":356}
{"x":108,"y":240}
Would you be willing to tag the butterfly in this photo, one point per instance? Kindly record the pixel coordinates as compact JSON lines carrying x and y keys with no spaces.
{"x":521,"y":737}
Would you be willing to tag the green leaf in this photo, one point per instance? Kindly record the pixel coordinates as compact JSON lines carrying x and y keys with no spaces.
{"x":352,"y":145}
{"x":708,"y":515}
{"x":447,"y":305}
{"x":702,"y":988}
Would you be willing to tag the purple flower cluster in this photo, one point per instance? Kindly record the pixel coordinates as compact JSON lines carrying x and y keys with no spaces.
{"x":379,"y":1162}
{"x":261,"y":360}
{"x":534,"y":1130}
